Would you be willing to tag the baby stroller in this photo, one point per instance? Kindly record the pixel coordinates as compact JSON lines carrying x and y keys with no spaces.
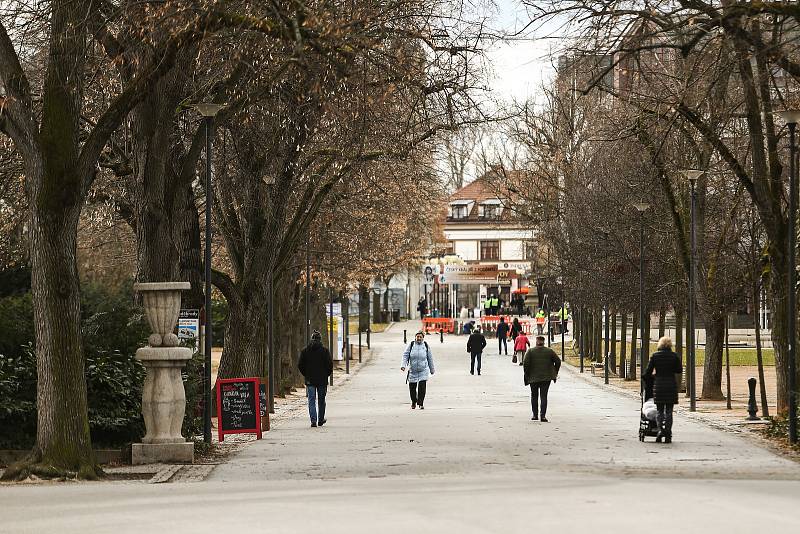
{"x":648,"y":423}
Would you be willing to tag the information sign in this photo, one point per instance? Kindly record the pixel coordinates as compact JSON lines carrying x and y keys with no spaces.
{"x":238,"y":409}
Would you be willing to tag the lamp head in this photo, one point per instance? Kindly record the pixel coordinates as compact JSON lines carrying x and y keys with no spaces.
{"x":641,"y":207}
{"x":693,"y":175}
{"x":208,"y":109}
{"x":790,"y":116}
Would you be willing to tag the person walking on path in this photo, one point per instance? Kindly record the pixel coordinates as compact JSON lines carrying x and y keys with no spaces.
{"x":541,"y":365}
{"x":422,"y":307}
{"x":419,"y":361}
{"x":316,"y":365}
{"x":521,"y":345}
{"x":502,"y":335}
{"x":475,"y":346}
{"x":516,"y":328}
{"x":667,"y":367}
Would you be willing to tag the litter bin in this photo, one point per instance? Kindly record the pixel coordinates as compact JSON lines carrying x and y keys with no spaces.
{"x":396,"y":315}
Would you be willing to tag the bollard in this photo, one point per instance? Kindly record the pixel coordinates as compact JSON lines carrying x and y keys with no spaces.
{"x":359,"y":345}
{"x":405,"y":339}
{"x":752,"y":408}
{"x":441,"y":336}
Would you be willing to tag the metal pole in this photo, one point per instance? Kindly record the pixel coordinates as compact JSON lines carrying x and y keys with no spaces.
{"x":606,"y":355}
{"x":271,"y":339}
{"x":308,"y":289}
{"x":359,"y":345}
{"x":792,"y":334}
{"x":582,"y":335}
{"x":691,"y":334}
{"x":563,"y":324}
{"x":208,"y":330}
{"x":644,"y":335}
{"x":331,"y":341}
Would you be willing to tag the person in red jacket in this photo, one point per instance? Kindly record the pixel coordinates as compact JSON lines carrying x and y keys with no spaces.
{"x":521,"y":345}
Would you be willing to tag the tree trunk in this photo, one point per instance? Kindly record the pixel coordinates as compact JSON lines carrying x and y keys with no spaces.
{"x":613,"y":351}
{"x":646,"y":341}
{"x":634,"y":349}
{"x":363,"y":307}
{"x":712,"y":367}
{"x":727,"y":365}
{"x":241,"y":356}
{"x":777,"y":296}
{"x":662,"y":322}
{"x":63,"y":444}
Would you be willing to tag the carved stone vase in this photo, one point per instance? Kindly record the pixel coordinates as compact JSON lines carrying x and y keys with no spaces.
{"x":163,"y":395}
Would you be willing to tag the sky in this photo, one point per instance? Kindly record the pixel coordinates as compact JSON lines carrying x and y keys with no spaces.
{"x":519,"y":66}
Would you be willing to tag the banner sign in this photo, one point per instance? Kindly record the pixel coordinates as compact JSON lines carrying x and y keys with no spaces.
{"x":188,"y":324}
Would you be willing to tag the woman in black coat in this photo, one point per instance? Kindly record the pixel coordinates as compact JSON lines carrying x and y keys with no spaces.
{"x":667,"y":366}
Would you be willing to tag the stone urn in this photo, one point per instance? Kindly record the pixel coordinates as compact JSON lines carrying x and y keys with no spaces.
{"x":163,"y":395}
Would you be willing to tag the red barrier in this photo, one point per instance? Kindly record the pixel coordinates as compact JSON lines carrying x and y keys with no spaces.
{"x":437,"y":323}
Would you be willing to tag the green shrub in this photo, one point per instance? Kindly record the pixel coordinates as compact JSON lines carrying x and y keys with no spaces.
{"x":113,"y":327}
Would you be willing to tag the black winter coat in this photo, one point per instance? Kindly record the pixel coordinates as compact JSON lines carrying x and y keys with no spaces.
{"x":476,"y":343}
{"x":315,"y":364}
{"x":666,"y":365}
{"x":502,"y":329}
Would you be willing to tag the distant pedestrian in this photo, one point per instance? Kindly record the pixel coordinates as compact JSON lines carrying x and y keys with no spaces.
{"x":316,"y":365}
{"x":541,"y":365}
{"x":502,"y":335}
{"x":418,"y":359}
{"x":487,"y":307}
{"x":468,"y":327}
{"x":540,"y":317}
{"x":667,"y":367}
{"x":495,"y":304}
{"x":516,"y":328}
{"x":475,"y":346}
{"x":422,"y":307}
{"x":564,"y":315}
{"x":521,"y":345}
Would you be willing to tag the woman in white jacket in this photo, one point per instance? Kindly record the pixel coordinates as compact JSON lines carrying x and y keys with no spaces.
{"x":419,"y":361}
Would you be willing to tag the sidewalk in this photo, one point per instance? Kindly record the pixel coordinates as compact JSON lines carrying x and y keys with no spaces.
{"x":711,"y":412}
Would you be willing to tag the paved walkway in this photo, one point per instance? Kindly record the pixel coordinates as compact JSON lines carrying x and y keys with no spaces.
{"x":471,"y":461}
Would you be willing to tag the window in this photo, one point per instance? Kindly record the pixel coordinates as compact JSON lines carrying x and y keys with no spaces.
{"x":490,"y":250}
{"x":460,"y":211}
{"x":490,"y":211}
{"x":450,"y":248}
{"x":529,"y":250}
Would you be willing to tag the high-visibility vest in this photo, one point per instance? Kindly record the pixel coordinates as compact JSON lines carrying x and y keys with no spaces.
{"x":487,"y":304}
{"x":495,"y":301}
{"x":564,"y":313}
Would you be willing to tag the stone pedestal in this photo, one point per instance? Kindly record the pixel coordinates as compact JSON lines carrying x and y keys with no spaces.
{"x":163,"y":396}
{"x":163,"y":406}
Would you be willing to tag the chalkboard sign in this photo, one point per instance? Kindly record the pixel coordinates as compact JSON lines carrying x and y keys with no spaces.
{"x":238,"y":406}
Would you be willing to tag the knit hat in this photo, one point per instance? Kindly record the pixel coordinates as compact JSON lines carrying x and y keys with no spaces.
{"x":316,"y":336}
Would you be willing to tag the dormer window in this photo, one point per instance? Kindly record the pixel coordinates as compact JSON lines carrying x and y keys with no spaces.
{"x":460,"y":209}
{"x":490,"y":209}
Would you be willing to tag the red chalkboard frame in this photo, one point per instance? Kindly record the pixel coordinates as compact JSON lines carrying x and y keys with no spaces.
{"x":257,"y":429}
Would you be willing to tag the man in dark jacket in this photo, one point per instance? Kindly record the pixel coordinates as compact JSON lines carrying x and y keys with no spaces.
{"x":316,"y":365}
{"x":475,"y":345}
{"x":502,"y":335}
{"x":667,"y":366}
{"x":541,"y":365}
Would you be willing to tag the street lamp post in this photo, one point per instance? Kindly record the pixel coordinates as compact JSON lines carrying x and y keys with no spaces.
{"x":792,"y":117}
{"x":692,"y":175}
{"x":208,"y":111}
{"x":641,"y":207}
